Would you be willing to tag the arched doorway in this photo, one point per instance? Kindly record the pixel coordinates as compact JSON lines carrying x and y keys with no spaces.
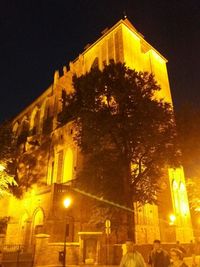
{"x":37,"y":223}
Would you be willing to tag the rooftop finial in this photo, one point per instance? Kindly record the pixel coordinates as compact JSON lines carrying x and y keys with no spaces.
{"x":64,"y":70}
{"x":56,"y":76}
{"x":124,"y":13}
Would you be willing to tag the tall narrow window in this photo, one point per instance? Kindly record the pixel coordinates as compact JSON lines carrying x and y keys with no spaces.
{"x":95,"y":63}
{"x":118,"y":46}
{"x":68,"y":167}
{"x":34,"y":121}
{"x":104,"y":53}
{"x":52,"y":172}
{"x":60,"y":167}
{"x":110,"y":48}
{"x":117,"y":52}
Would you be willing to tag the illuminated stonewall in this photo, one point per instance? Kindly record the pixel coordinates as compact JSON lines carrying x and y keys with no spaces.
{"x":58,"y":159}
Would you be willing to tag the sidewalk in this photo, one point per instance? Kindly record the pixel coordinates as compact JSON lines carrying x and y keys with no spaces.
{"x":188,"y":260}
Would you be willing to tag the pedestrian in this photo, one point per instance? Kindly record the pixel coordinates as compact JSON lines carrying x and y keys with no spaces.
{"x":192,"y":253}
{"x":191,"y":248}
{"x":176,"y":256}
{"x":158,"y":257}
{"x":180,"y":247}
{"x":132,"y":258}
{"x":1,"y":256}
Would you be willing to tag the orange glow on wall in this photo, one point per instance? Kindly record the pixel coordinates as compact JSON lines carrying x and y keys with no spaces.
{"x":172,"y":219}
{"x":180,"y":205}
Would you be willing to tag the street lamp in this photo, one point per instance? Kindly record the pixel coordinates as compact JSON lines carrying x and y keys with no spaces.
{"x":172,"y":219}
{"x":108,"y":231}
{"x":67,"y":202}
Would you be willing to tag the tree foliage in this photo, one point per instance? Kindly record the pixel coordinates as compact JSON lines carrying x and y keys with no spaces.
{"x":29,"y":171}
{"x":7,"y":150}
{"x":6,"y":182}
{"x":7,"y":159}
{"x":125,"y":134}
{"x":22,"y":161}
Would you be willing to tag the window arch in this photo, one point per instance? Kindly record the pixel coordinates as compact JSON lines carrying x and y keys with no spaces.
{"x":175,"y":191}
{"x":51,"y":167}
{"x":34,"y":121}
{"x":46,"y":116}
{"x":95,"y":63}
{"x":42,"y":110}
{"x":182,"y":187}
{"x":24,"y":125}
{"x":183,"y":199}
{"x":15,"y":128}
{"x":38,"y":221}
{"x":174,"y":185}
{"x":23,"y":131}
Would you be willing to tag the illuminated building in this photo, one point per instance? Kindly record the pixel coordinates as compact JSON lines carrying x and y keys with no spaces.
{"x":58,"y":159}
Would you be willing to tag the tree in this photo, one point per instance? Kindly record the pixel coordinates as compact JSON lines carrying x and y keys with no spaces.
{"x":21,"y":166}
{"x":6,"y":181}
{"x":7,"y":159}
{"x":126,"y":136}
{"x":29,"y":171}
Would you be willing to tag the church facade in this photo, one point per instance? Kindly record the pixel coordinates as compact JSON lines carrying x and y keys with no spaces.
{"x":48,"y":154}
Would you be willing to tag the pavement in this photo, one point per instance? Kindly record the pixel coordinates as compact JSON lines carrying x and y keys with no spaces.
{"x":190,"y":260}
{"x":187,"y":260}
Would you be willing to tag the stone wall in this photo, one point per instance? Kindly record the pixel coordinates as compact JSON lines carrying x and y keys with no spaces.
{"x":48,"y":253}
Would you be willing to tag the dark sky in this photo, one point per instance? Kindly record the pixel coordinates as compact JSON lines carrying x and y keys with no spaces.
{"x":38,"y":37}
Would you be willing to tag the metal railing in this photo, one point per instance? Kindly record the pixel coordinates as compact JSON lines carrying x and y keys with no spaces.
{"x":16,"y":255}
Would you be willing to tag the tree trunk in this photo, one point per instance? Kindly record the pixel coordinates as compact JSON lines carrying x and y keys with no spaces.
{"x":128,"y":201}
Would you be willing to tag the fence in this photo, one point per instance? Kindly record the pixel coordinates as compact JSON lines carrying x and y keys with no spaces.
{"x":16,"y":256}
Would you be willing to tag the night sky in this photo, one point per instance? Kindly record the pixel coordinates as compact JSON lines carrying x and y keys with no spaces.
{"x":38,"y":37}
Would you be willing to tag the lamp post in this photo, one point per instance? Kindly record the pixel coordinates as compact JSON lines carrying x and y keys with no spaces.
{"x":67,"y":202}
{"x":172,"y":229}
{"x":108,"y":231}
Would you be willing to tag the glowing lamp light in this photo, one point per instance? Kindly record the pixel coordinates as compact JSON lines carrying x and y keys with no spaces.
{"x":67,"y":202}
{"x":172,"y":219}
